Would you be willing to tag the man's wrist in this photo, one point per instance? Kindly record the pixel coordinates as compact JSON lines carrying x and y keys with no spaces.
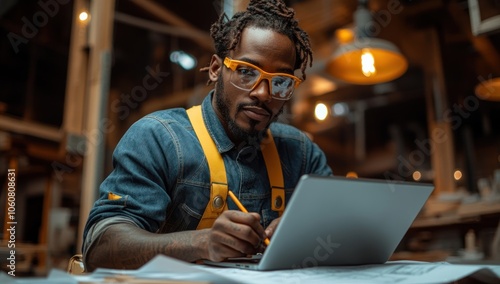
{"x":200,"y":241}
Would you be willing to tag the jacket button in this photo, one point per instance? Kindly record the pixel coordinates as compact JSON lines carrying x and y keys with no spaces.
{"x":218,"y":202}
{"x":278,"y":202}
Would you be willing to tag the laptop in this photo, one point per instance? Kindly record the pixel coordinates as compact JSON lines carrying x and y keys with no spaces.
{"x":333,"y":221}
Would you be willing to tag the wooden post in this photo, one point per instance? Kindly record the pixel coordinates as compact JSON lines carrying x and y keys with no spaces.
{"x":440,"y":130}
{"x":77,"y":72}
{"x":95,"y":125}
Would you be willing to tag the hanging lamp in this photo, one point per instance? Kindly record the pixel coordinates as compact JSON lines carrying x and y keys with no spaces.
{"x":366,"y":60}
{"x":489,"y":89}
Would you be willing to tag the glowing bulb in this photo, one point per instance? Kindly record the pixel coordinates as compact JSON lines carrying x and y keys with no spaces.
{"x":367,"y":63}
{"x":352,"y":174}
{"x":185,"y":60}
{"x":457,"y":175}
{"x":321,"y":111}
{"x":83,"y":16}
{"x":417,"y":175}
{"x":340,"y":109}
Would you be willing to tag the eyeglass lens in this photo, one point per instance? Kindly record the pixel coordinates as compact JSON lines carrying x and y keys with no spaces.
{"x":246,"y":78}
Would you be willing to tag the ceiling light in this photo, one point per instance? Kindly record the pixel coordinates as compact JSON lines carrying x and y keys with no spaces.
{"x":417,"y":175}
{"x":352,"y":174}
{"x":366,"y":60}
{"x":83,"y":17}
{"x":183,"y":59}
{"x":320,"y":111}
{"x":489,"y":89}
{"x":340,"y":109}
{"x":319,"y":85}
{"x":344,"y":35}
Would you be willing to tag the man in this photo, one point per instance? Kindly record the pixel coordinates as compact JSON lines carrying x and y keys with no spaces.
{"x":160,"y":189}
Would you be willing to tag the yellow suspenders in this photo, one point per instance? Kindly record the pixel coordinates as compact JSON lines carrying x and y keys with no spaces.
{"x":218,"y":179}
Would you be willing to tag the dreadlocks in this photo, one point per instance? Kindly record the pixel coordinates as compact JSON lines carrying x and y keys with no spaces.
{"x":269,"y":14}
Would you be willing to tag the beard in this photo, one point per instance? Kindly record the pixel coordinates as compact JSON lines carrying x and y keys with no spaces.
{"x":236,"y":132}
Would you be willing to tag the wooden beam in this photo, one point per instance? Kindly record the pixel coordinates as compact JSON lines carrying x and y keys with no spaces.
{"x":100,"y":45}
{"x":189,"y":33}
{"x":441,"y":140}
{"x":74,"y":101}
{"x":34,"y":129}
{"x":168,"y":17}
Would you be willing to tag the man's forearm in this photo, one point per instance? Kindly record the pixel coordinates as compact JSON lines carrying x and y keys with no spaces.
{"x":124,"y":246}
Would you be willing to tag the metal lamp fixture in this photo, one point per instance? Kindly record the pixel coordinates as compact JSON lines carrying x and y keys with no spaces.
{"x":366,"y":60}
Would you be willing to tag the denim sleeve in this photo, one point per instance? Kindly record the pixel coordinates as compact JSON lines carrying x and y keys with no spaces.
{"x":137,"y":188}
{"x":299,"y":155}
{"x":318,"y":163}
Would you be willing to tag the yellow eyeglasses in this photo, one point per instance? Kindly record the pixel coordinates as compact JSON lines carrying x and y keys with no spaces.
{"x":246,"y":76}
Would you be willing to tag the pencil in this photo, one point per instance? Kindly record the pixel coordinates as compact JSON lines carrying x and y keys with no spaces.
{"x":242,"y":208}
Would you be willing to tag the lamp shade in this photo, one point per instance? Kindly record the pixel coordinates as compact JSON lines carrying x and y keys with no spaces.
{"x":385,"y":62}
{"x":489,"y":90}
{"x":366,"y":60}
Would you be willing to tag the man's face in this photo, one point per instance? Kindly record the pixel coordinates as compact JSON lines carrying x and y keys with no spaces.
{"x":246,"y":113}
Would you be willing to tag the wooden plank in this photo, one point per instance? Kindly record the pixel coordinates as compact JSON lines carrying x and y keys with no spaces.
{"x":74,"y":101}
{"x":169,"y":17}
{"x":100,"y":44}
{"x":34,"y":129}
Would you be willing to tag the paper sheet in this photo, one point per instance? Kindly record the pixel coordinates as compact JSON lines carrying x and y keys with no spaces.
{"x":401,"y":272}
{"x":395,"y":272}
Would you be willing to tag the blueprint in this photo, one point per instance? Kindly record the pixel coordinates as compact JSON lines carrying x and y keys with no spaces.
{"x":171,"y":270}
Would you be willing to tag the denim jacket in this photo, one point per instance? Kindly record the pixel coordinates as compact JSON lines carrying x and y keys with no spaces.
{"x":161,"y":173}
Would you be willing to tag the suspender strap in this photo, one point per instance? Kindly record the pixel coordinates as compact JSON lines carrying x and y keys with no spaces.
{"x":218,"y":178}
{"x":274,"y":172}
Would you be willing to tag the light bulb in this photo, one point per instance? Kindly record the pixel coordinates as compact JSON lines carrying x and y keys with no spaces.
{"x":321,"y":111}
{"x":84,"y":16}
{"x":185,"y":60}
{"x":367,"y":63}
{"x":417,"y":175}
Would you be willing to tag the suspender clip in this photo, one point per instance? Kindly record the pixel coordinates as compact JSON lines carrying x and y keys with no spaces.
{"x":278,"y":199}
{"x":218,"y":195}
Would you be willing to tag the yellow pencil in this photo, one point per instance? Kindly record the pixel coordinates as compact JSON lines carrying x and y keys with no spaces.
{"x":242,"y":208}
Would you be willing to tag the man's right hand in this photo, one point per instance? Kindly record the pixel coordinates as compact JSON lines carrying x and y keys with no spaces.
{"x":235,"y":234}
